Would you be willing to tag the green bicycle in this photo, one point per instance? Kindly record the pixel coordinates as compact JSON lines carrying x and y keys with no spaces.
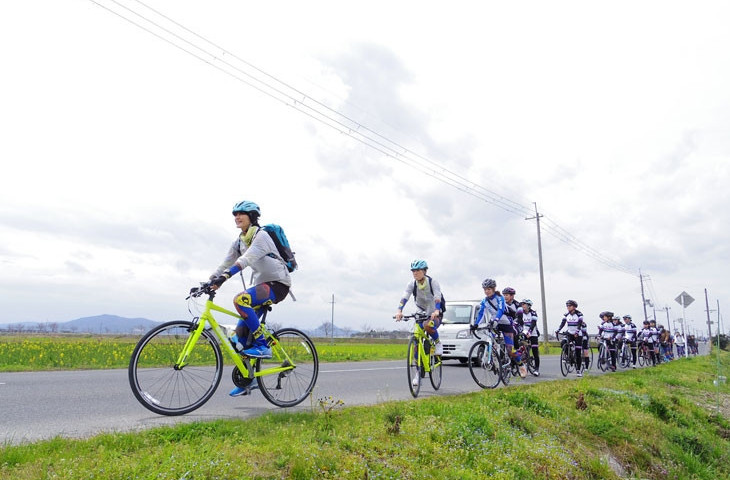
{"x":176,"y":367}
{"x":419,"y":359}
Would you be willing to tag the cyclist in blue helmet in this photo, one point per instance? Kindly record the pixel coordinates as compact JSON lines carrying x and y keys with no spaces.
{"x":493,"y":310}
{"x":271,"y":281}
{"x":426,"y":293}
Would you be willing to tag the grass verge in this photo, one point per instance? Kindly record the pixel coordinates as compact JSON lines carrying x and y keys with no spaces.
{"x":653,"y":423}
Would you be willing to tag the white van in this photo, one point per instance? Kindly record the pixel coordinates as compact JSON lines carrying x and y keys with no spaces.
{"x":454,"y":330}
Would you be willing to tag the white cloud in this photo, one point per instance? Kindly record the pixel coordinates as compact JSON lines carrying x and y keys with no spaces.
{"x":123,"y":154}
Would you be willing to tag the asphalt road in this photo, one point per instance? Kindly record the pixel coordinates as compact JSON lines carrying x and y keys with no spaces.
{"x":41,"y":405}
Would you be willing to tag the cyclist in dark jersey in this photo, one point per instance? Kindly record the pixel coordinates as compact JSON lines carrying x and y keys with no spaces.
{"x":527,"y":317}
{"x":511,"y":312}
{"x":574,"y":321}
{"x":630,"y":332}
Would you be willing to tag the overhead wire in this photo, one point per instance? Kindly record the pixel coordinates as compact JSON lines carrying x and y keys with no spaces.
{"x":281,"y":91}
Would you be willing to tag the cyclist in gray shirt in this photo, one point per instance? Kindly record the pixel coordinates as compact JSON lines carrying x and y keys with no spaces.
{"x":426,"y":292}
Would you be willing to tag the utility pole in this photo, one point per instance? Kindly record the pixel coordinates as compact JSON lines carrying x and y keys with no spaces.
{"x":719,"y":327}
{"x":709,"y":323}
{"x":542,"y":277}
{"x":643,"y":299}
{"x":674,"y":325}
{"x":332,"y":334}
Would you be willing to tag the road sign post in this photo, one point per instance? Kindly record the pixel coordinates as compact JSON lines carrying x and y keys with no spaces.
{"x":684,"y":299}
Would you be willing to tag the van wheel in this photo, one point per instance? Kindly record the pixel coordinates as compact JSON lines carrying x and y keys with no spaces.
{"x":462,"y":361}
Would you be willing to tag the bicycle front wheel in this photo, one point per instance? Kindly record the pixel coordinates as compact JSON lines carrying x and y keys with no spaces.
{"x":484,"y":367}
{"x":565,"y":361}
{"x":294,"y":352}
{"x":625,"y":357}
{"x":169,"y":389}
{"x":435,"y":374}
{"x":413,"y":362}
{"x":602,"y":358}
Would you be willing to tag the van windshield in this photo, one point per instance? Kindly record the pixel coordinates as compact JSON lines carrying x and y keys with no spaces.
{"x":457,"y":314}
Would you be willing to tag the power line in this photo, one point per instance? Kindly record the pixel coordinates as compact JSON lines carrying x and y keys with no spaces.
{"x":223,"y":60}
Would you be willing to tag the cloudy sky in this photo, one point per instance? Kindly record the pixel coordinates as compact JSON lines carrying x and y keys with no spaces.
{"x":124,"y":149}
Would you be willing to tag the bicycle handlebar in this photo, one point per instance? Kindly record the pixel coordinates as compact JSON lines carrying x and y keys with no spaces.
{"x":205,"y":288}
{"x":417,"y":316}
{"x":486,"y":327}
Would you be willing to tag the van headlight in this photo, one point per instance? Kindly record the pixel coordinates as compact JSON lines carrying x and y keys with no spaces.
{"x":463,"y":334}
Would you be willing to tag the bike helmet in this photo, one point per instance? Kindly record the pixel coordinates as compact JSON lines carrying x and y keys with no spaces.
{"x":419,"y":265}
{"x":489,"y":283}
{"x":571,"y":302}
{"x":608,"y":314}
{"x":527,"y":301}
{"x":249,"y":208}
{"x":508,"y":291}
{"x":627,"y":316}
{"x":646,"y":322}
{"x":246,"y":207}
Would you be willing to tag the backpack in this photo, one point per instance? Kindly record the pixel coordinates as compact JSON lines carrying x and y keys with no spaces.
{"x":282,"y":246}
{"x":443,"y":301}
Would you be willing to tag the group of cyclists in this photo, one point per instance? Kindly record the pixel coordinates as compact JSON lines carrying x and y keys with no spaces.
{"x":516,"y":321}
{"x":655,"y":342}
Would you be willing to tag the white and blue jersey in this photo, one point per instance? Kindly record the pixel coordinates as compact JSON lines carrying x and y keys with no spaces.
{"x":493,"y":307}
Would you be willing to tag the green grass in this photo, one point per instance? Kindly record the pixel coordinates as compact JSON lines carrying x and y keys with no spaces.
{"x":20,"y":353}
{"x":652,"y":423}
{"x":68,"y":352}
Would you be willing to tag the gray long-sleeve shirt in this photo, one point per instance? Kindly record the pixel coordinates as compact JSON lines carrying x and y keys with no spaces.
{"x":258,"y":256}
{"x":425,"y":300}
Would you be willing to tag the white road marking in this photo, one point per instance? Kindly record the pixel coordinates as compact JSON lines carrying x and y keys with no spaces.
{"x":361,"y":370}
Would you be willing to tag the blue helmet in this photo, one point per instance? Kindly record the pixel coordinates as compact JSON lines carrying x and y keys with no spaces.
{"x":489,"y":283}
{"x":419,"y":265}
{"x":246,"y":207}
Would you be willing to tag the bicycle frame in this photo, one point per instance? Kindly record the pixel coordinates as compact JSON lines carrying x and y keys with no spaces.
{"x":420,"y":335}
{"x":244,"y":366}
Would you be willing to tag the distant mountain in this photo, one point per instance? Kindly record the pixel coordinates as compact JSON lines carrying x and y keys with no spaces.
{"x":96,"y":324}
{"x":108,"y":324}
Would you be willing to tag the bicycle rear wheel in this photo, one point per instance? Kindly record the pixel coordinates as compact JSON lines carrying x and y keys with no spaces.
{"x":484,"y":366}
{"x":165,"y":388}
{"x":435,"y":375}
{"x":590,"y":362}
{"x":413,"y":362}
{"x":506,"y":366}
{"x":530,"y":362}
{"x":289,"y":387}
